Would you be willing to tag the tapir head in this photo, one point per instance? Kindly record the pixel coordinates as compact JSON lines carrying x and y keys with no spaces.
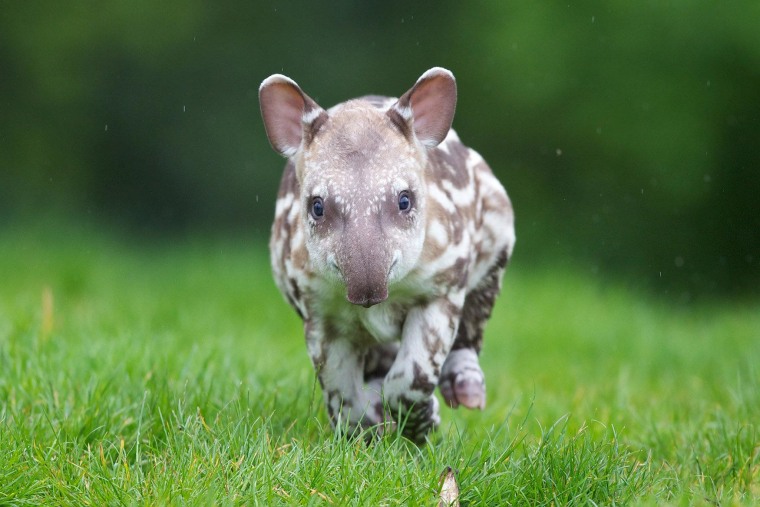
{"x":361,"y":172}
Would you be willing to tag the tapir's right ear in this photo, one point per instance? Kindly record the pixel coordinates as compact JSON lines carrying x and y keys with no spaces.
{"x":290,"y":116}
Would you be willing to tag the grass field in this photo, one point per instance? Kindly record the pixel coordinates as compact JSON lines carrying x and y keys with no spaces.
{"x":175,"y":374}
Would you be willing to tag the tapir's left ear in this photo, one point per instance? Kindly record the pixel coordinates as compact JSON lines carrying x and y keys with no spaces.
{"x":289,"y":114}
{"x":428,"y":107}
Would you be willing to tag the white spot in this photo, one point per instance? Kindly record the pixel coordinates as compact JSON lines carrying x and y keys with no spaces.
{"x":437,"y":232}
{"x":321,"y":191}
{"x":293,"y":213}
{"x":290,"y":151}
{"x":442,"y":199}
{"x":462,"y":198}
{"x":283,"y":203}
{"x":405,"y":112}
{"x":312,"y":115}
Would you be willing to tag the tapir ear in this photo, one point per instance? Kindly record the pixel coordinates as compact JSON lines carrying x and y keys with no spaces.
{"x":290,"y":116}
{"x":428,"y":107}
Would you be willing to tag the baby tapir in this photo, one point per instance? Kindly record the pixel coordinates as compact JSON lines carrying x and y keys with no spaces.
{"x":390,"y":238}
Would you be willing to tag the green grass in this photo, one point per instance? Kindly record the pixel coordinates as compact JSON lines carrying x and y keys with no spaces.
{"x":176,"y":374}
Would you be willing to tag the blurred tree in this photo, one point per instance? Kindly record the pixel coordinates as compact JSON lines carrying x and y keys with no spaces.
{"x":626,"y":133}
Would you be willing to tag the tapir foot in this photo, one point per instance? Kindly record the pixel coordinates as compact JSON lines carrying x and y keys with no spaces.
{"x":418,"y":419}
{"x":376,"y":417}
{"x":462,"y":381}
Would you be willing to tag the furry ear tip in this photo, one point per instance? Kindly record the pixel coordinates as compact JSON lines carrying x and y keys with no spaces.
{"x":276,"y":79}
{"x":437,"y":71}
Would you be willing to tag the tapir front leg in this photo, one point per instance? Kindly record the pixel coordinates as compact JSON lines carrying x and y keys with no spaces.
{"x":426,"y":340}
{"x":339,"y":364}
{"x":462,"y":380}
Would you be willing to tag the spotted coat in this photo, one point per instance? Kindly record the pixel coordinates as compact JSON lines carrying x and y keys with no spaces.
{"x":389,"y":239}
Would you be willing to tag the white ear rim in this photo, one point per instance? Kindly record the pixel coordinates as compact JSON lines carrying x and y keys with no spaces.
{"x":436,"y":71}
{"x":277,"y":79}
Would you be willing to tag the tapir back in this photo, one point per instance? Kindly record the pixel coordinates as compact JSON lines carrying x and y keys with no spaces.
{"x":471,"y":216}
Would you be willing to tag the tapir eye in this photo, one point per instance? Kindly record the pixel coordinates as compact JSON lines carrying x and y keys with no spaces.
{"x":404,"y":202}
{"x":317,"y":208}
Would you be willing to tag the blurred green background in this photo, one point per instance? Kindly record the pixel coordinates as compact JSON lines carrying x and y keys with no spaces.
{"x":627,"y":133}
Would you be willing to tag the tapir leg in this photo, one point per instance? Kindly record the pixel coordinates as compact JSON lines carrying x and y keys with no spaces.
{"x":339,"y":363}
{"x":462,"y":380}
{"x":378,"y":360}
{"x":425,"y":343}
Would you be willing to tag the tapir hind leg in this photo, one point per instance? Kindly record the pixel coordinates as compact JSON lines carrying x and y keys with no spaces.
{"x":339,"y":363}
{"x":462,"y":380}
{"x":378,"y":360}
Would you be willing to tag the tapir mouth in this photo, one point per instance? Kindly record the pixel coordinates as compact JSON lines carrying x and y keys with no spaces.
{"x":363,"y":292}
{"x":367,"y":301}
{"x":368,"y":291}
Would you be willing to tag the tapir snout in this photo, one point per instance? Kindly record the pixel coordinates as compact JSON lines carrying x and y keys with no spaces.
{"x":365,"y":266}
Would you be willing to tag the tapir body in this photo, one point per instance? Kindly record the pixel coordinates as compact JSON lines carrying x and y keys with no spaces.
{"x":390,"y":239}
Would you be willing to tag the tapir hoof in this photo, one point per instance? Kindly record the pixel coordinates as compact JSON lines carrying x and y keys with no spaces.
{"x":462,"y":381}
{"x":467,"y":389}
